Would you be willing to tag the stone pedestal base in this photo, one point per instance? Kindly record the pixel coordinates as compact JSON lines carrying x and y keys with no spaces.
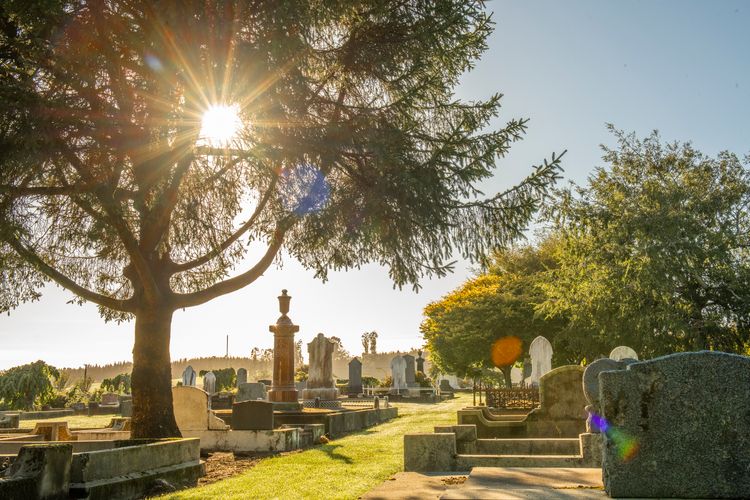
{"x":287,"y":406}
{"x":282,"y":395}
{"x":324,"y":393}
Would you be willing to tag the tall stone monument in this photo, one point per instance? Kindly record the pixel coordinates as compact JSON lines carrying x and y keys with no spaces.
{"x":398,"y":375}
{"x":188,"y":377}
{"x":420,"y":362}
{"x":410,"y":372}
{"x":320,"y":375}
{"x":283,"y":393}
{"x":540,"y":351}
{"x":355,"y":377}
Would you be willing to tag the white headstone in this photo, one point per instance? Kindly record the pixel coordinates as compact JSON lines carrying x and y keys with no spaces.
{"x":398,"y":373}
{"x":623,"y":352}
{"x":540,"y":352}
{"x":191,"y":411}
{"x":320,"y":372}
{"x":209,"y":383}
{"x":188,"y":377}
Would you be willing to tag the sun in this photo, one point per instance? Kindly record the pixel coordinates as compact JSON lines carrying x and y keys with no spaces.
{"x":220,"y":124}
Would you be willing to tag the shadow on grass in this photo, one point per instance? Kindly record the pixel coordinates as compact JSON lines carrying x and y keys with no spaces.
{"x":330,"y":450}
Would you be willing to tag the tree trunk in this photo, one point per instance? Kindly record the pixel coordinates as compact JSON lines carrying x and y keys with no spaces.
{"x":153,"y":416}
{"x":506,"y":375}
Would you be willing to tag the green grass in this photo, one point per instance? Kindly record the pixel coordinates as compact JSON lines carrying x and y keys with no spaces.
{"x":74,"y":422}
{"x":344,"y":468}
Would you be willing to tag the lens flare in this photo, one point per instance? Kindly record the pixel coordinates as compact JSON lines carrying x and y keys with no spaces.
{"x":626,"y":446}
{"x":304,"y":189}
{"x":506,"y":351}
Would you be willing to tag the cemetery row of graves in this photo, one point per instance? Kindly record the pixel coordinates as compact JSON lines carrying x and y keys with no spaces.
{"x":665,"y":427}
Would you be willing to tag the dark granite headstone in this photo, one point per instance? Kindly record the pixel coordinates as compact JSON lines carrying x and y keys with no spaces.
{"x":252,"y":416}
{"x":677,"y":426}
{"x":445,"y":385}
{"x":420,"y":362}
{"x":411,"y":380}
{"x":126,"y":408}
{"x":355,"y":377}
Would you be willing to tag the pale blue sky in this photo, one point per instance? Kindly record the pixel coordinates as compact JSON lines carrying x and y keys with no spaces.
{"x":682,"y":67}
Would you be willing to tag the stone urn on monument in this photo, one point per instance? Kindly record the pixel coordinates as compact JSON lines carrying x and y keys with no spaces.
{"x":283,"y":394}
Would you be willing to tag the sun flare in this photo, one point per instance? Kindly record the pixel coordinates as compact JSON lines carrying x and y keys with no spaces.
{"x":220,"y":124}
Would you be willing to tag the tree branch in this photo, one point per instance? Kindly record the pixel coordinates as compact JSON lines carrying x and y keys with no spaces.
{"x":234,"y":284}
{"x":178,"y":268}
{"x":102,"y":300}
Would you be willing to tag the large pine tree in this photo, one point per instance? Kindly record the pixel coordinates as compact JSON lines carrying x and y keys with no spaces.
{"x":352,"y":149}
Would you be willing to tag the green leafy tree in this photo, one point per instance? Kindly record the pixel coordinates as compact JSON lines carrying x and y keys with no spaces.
{"x":460,"y":328}
{"x":120,"y":383}
{"x":351,"y":148}
{"x":654,"y":250}
{"x":22,"y":387}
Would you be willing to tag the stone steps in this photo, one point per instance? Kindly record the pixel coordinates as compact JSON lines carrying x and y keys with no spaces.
{"x":467,"y":462}
{"x":528,"y":446}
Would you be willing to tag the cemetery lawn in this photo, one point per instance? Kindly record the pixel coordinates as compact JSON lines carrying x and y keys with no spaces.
{"x":74,"y":422}
{"x":344,"y":468}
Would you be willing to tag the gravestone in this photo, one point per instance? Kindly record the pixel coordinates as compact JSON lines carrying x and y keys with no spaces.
{"x":265,"y":382}
{"x":410,"y":371}
{"x":591,"y":389}
{"x":250,"y":391}
{"x":9,"y":421}
{"x":320,"y":375}
{"x":623,"y":352}
{"x":678,"y":426}
{"x":126,"y":408}
{"x":398,"y":375}
{"x":191,"y":410}
{"x":110,"y":399}
{"x":188,"y":377}
{"x":209,"y":383}
{"x":445,"y":386}
{"x":241,"y":377}
{"x":252,"y":416}
{"x":420,"y":362}
{"x":355,"y":377}
{"x":540,"y":352}
{"x":562,"y":404}
{"x":300,"y":385}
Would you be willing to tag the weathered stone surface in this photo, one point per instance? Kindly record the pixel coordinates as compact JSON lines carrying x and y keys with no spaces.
{"x":9,"y":421}
{"x":420,"y":362}
{"x":252,"y":416}
{"x":679,"y":426}
{"x":445,"y":385}
{"x":250,"y":391}
{"x":39,"y":471}
{"x":429,"y":452}
{"x":561,"y":393}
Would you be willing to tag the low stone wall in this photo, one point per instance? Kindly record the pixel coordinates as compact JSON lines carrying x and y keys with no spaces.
{"x":41,"y":415}
{"x":101,"y":435}
{"x":240,"y":441}
{"x":10,"y":447}
{"x":339,"y":423}
{"x":39,"y":471}
{"x":130,"y":470}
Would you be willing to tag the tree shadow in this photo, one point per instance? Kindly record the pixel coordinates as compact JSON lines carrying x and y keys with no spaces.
{"x":330,"y":450}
